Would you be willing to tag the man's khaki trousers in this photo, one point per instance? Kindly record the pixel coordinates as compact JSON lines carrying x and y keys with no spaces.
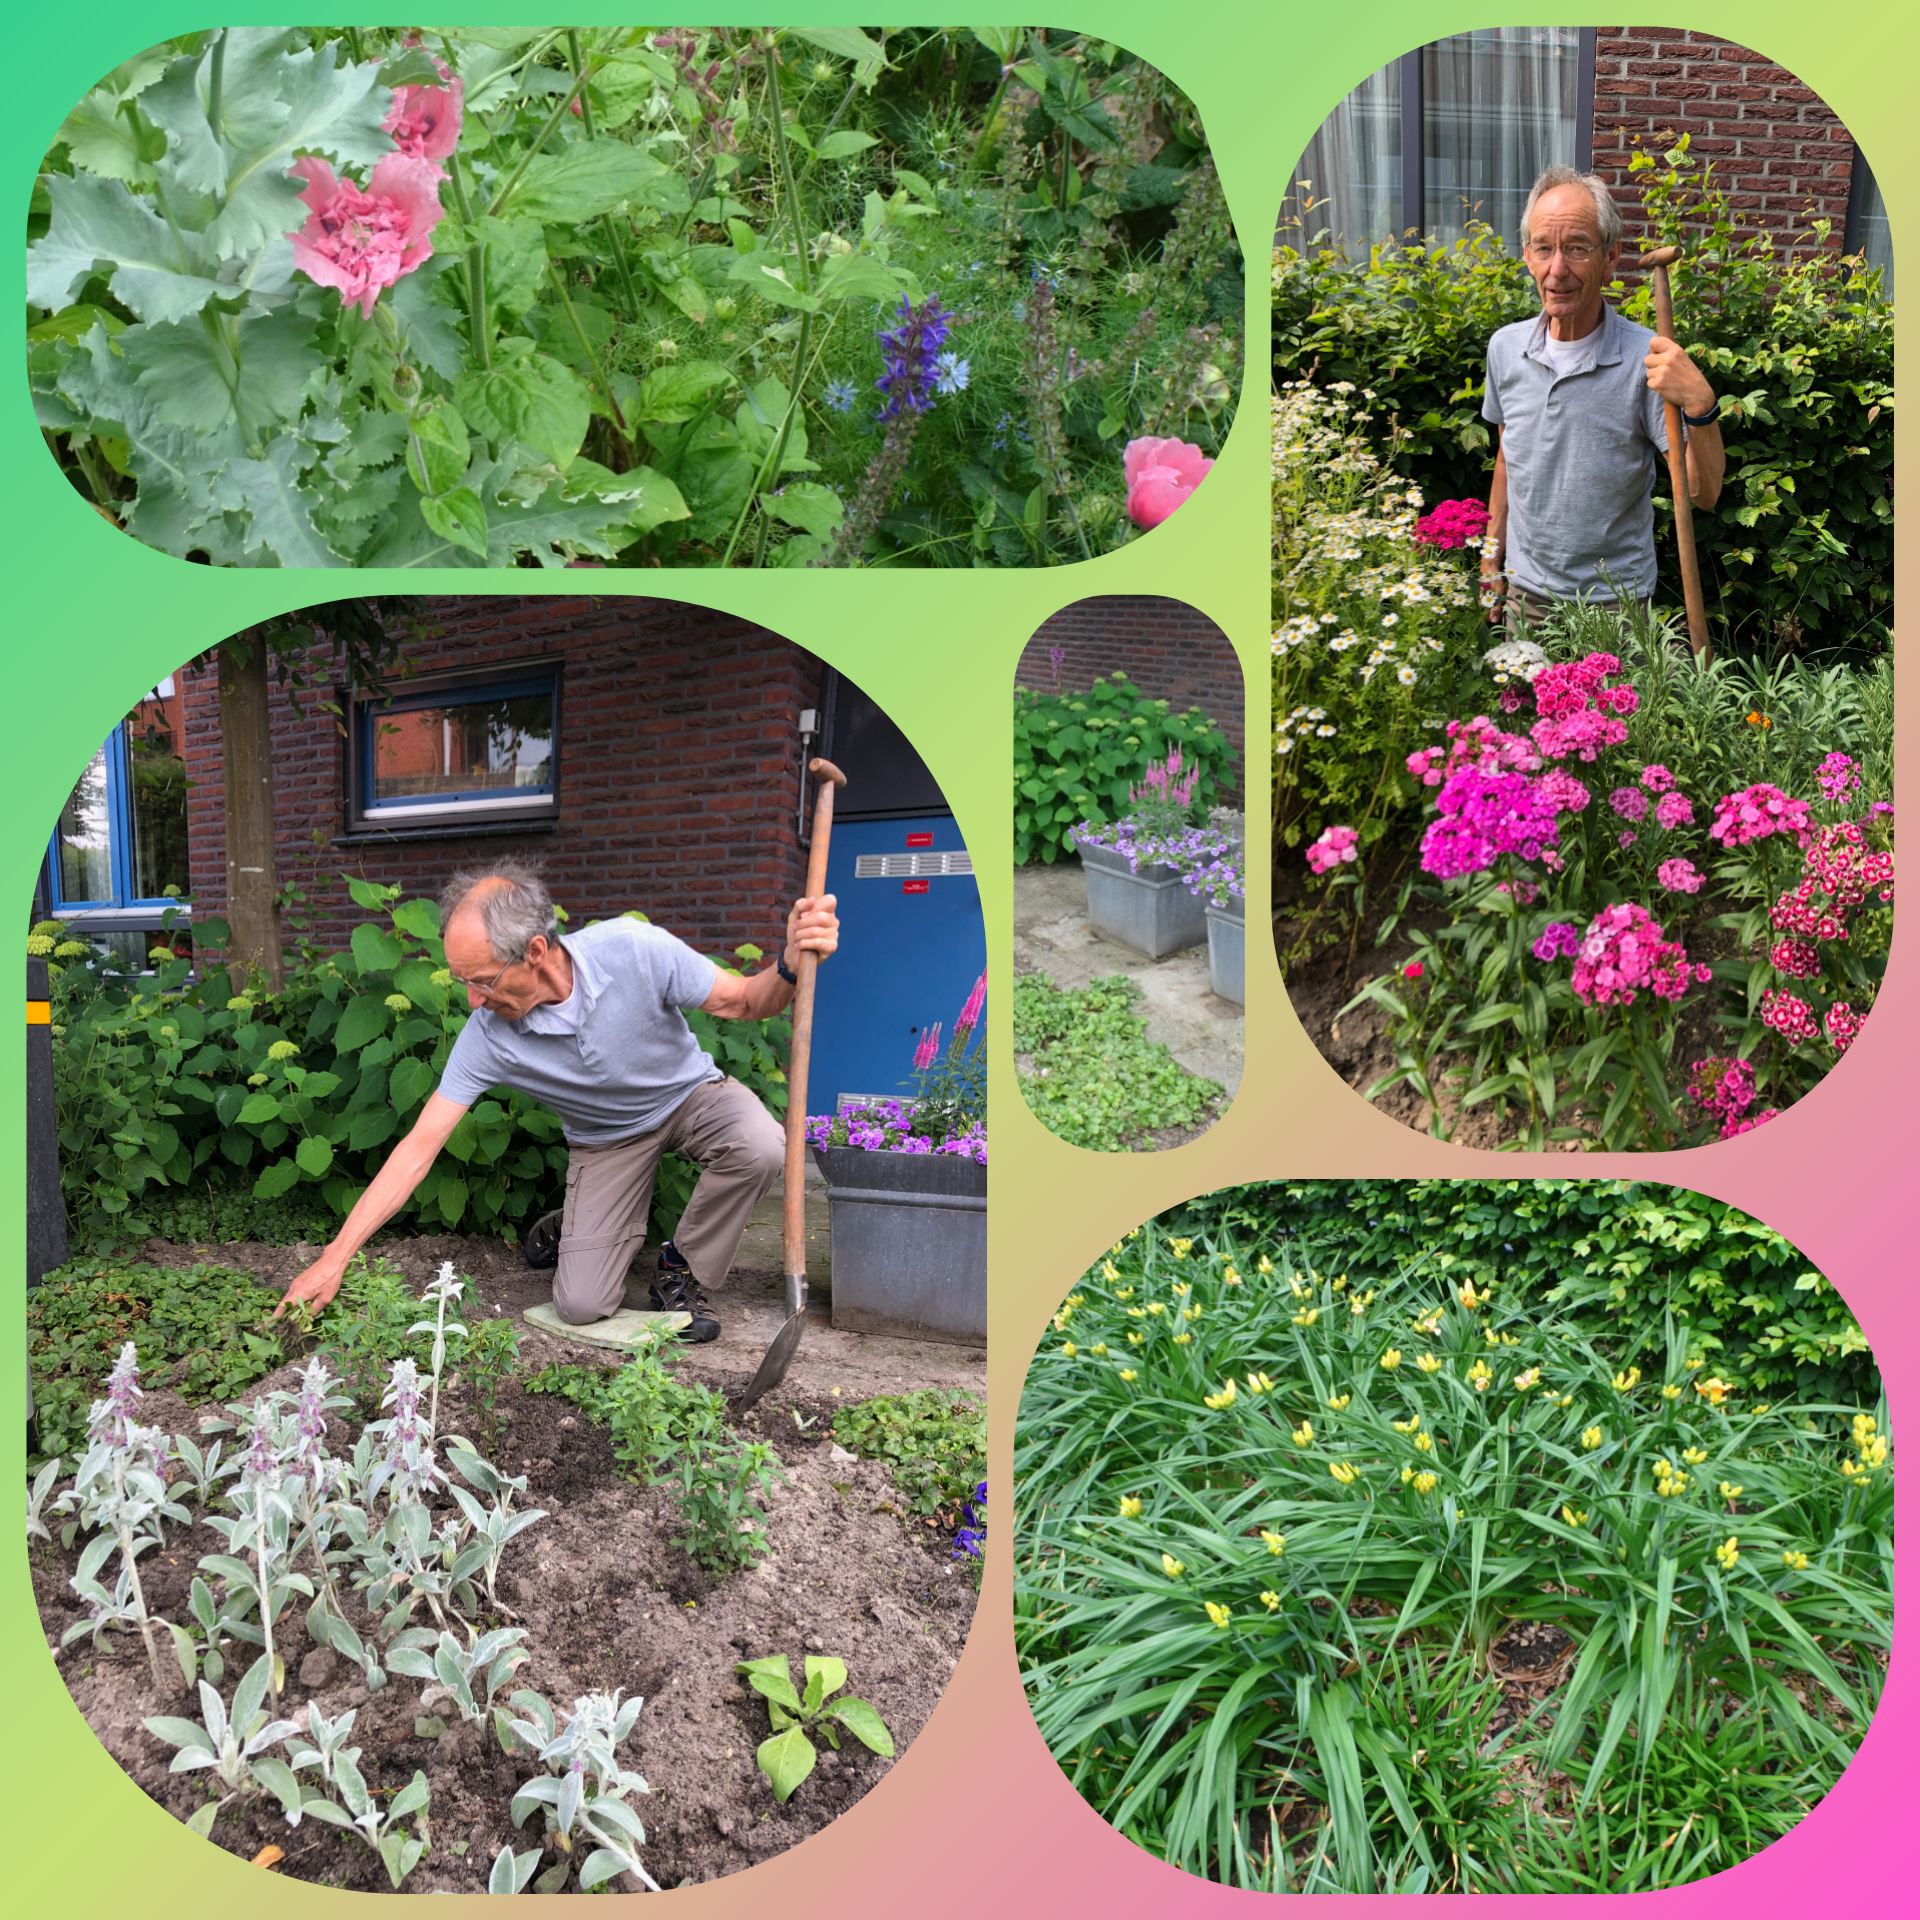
{"x":740,"y":1149}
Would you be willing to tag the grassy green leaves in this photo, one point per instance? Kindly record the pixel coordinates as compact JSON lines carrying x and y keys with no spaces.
{"x":1378,"y":1580}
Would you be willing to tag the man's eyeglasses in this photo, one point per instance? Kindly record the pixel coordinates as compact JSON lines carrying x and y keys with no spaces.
{"x":485,"y":988}
{"x":1576,"y":253}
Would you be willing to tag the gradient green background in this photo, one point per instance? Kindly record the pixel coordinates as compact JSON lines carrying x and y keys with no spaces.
{"x":975,"y":1816}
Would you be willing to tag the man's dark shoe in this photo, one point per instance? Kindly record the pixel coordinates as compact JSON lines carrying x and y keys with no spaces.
{"x":675,"y":1290}
{"x":542,"y":1244}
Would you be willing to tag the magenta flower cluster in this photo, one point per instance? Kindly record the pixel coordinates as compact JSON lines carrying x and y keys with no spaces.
{"x":1453,"y":523}
{"x":886,"y":1126}
{"x":1788,"y":1015}
{"x":1560,"y":941}
{"x":1839,"y":778}
{"x":1337,"y":847}
{"x":1840,"y":872}
{"x":1625,"y":952}
{"x":1724,"y":1088}
{"x":1475,"y":744}
{"x":1481,"y":817}
{"x":1756,"y":812}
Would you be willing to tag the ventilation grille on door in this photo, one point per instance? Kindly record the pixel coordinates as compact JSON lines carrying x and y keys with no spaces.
{"x":910,"y":866}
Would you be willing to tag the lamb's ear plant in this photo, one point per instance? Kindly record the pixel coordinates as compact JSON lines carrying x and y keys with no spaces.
{"x":512,"y":1871}
{"x":496,"y":1525}
{"x":199,"y":1472}
{"x":227,"y":1743}
{"x":584,"y":1785}
{"x":43,"y":1484}
{"x":471,"y":1675}
{"x":789,"y":1755}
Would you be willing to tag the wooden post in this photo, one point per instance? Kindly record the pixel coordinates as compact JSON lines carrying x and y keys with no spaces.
{"x":246,"y":749}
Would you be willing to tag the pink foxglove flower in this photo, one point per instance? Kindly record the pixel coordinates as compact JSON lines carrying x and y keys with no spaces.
{"x":425,"y":121}
{"x":363,"y":239}
{"x":1161,"y":474}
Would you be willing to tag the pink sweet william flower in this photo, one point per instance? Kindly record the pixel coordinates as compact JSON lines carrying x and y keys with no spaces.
{"x":1843,"y":1024}
{"x":1754,"y":813}
{"x":1161,"y":474}
{"x":1624,"y":950}
{"x":1797,"y":959}
{"x":1453,"y":523}
{"x":1628,"y":802}
{"x":1413,"y":970}
{"x":1673,"y":810}
{"x":425,"y":121}
{"x":1788,"y":1015}
{"x":1747,"y":1125}
{"x":363,"y":239}
{"x":1657,"y":779}
{"x":1560,"y":941}
{"x":1680,"y":876}
{"x":1338,"y":846}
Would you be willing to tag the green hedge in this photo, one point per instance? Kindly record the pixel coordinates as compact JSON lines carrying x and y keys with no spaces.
{"x":1613,"y":1256}
{"x":1799,"y":551}
{"x":183,"y":1101}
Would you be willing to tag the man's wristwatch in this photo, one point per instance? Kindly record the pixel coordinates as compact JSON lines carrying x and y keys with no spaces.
{"x":1704,"y":420}
{"x":780,"y":967}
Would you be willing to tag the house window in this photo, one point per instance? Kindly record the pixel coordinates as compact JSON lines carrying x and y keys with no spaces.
{"x":118,"y":858}
{"x":1867,"y":229}
{"x":457,"y":753}
{"x":1458,"y":130}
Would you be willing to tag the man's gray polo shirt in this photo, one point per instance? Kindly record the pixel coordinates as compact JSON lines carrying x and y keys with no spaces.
{"x":1582,"y":448}
{"x":614,"y":1060}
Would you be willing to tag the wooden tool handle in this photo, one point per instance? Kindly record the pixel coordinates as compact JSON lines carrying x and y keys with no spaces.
{"x":794,"y":1213}
{"x":1697,"y":635}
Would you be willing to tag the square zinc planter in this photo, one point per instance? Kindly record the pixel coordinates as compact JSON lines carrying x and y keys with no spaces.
{"x":1150,"y":911}
{"x":1227,"y":951}
{"x":909,"y":1234}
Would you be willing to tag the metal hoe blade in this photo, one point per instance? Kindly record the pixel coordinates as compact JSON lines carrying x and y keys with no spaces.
{"x":773,"y":1367}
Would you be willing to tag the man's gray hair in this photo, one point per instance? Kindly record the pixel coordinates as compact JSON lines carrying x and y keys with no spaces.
{"x":1604,"y":210}
{"x":513,"y":905}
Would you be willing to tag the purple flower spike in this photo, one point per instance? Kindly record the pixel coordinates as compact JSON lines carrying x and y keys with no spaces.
{"x":912,"y":352}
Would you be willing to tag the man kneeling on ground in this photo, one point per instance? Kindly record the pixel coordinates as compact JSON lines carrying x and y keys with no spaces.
{"x":592,"y":1025}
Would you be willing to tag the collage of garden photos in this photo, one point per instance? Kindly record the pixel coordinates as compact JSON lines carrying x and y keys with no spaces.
{"x":525,"y":1392}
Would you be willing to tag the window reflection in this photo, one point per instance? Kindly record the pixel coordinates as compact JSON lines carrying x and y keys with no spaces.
{"x":85,"y":836}
{"x":463,"y":751}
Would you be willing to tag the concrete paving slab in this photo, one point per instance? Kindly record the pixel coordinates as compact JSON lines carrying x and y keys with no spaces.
{"x":1052,"y":935}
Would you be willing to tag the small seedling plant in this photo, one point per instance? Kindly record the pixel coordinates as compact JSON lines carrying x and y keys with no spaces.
{"x":1274,"y":1526}
{"x":789,"y":1755}
{"x":411,"y":1521}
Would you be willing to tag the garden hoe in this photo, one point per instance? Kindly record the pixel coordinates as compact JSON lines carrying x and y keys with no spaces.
{"x":773,"y":1368}
{"x":1657,"y":263}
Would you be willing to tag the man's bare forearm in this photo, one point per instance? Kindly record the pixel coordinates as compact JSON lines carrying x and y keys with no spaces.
{"x":386,"y":1194}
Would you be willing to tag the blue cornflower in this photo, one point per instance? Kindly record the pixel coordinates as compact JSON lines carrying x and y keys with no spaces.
{"x":840,"y":395}
{"x":950,"y":374}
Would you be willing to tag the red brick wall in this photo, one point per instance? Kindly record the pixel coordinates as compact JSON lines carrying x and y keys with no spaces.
{"x":677,"y":771}
{"x":1170,"y":650}
{"x":1774,"y":143}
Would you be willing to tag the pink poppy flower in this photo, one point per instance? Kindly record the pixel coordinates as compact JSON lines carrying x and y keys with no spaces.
{"x":362,"y":239}
{"x":425,"y":121}
{"x":1160,"y":476}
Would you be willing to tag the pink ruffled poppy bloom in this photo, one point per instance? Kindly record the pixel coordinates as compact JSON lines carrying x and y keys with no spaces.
{"x":1160,"y":476}
{"x":361,"y":239}
{"x":425,"y":121}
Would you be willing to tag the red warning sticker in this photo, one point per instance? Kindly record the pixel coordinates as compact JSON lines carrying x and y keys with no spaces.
{"x":919,"y":839}
{"x":916,"y":886}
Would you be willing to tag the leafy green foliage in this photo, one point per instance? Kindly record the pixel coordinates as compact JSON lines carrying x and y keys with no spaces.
{"x":1095,"y":1080}
{"x":203,"y":1331}
{"x":1281,"y":1556}
{"x":934,"y":1444}
{"x":1799,"y":348}
{"x":646,"y":330}
{"x":1611,"y":1259}
{"x":1078,"y":756}
{"x":789,"y":1756}
{"x":182,"y":1086}
{"x":672,"y":1432}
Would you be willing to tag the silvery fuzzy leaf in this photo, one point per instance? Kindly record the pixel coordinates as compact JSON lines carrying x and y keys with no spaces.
{"x":214,"y":1714}
{"x":323,"y":1809}
{"x":411,"y":1798}
{"x":248,"y":1695}
{"x":159,"y":274}
{"x":606,"y":1812}
{"x":623,"y":1725}
{"x":190,"y":1758}
{"x":353,"y":1789}
{"x":270,"y":1735}
{"x":573,"y":1787}
{"x":175,"y":1731}
{"x":512,"y":1871}
{"x":601,"y":1865}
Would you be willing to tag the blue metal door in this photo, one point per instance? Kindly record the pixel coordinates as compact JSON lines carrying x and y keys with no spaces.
{"x":912,"y":943}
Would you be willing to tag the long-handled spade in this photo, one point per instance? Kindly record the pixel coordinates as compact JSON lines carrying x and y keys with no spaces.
{"x":773,"y":1367}
{"x":1657,"y":263}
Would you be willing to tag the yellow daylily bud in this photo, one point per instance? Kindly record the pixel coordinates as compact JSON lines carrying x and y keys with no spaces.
{"x":1303,"y":1434}
{"x":1218,"y":1614}
{"x":1429,"y":1363}
{"x":1340,"y":1401}
{"x":1171,"y":1567}
{"x":1591,"y":1438}
{"x":1345,"y":1474}
{"x":1128,"y":1375}
{"x":1276,"y":1542}
{"x":1425,"y":1482}
{"x":1390,"y":1359}
{"x":1270,"y":1601}
{"x":1130,"y":1507}
{"x":1224,"y":1398}
{"x":1626,"y":1382}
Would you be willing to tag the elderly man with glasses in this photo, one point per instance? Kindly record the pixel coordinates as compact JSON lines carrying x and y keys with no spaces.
{"x":1579,"y":395}
{"x":592,"y":1024}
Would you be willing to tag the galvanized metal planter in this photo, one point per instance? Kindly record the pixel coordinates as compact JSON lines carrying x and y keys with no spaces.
{"x":1150,"y":911}
{"x":909,"y":1243}
{"x":1227,"y":951}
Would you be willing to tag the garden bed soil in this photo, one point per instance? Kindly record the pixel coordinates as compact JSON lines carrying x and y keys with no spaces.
{"x":1358,"y":1045}
{"x":609,"y":1602}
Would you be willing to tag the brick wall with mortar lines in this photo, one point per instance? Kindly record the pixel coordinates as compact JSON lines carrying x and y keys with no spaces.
{"x":1170,"y":651}
{"x":1774,"y":143}
{"x":677,"y":771}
